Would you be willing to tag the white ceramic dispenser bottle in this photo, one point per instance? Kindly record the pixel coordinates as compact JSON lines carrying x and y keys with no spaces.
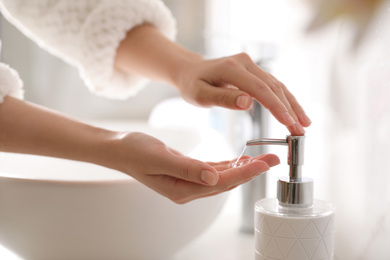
{"x":293,"y":226}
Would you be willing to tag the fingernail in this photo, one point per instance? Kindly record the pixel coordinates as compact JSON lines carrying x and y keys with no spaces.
{"x":289,"y":119}
{"x":259,"y":160}
{"x":243,"y":102}
{"x":273,"y":161}
{"x":264,"y":168}
{"x":305,"y":119}
{"x":208,"y":177}
{"x":299,"y":128}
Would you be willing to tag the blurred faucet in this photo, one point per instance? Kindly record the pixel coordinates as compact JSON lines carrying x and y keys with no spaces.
{"x":257,"y":188}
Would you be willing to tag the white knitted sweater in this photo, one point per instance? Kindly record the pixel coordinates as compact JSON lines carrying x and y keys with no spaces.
{"x":86,"y":34}
{"x":10,"y":83}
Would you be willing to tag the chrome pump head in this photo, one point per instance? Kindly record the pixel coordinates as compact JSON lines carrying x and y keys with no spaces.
{"x":292,"y":190}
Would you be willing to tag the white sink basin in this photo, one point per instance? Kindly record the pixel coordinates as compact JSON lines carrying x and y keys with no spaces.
{"x":60,"y":209}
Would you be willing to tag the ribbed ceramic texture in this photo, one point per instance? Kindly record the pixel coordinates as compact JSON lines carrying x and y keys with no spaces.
{"x":284,"y":238}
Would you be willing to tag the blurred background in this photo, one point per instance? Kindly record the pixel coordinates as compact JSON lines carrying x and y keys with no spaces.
{"x":334,"y":56}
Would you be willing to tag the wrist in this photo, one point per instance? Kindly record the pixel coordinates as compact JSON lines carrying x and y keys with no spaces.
{"x":108,"y":150}
{"x":147,"y":52}
{"x":184,"y":65}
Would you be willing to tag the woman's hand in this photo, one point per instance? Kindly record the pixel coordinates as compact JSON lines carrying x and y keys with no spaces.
{"x":232,"y":82}
{"x":179,"y":177}
{"x":31,"y":129}
{"x":229,"y":82}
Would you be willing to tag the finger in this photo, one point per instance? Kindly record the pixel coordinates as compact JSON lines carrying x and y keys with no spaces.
{"x":228,"y":180}
{"x":229,"y":188}
{"x":223,"y":165}
{"x":255,"y":166}
{"x":303,"y":118}
{"x":210,"y":95}
{"x":257,"y":88}
{"x":234,"y":176}
{"x":275,"y":86}
{"x":296,"y":129}
{"x":291,"y":103}
{"x":184,"y":191}
{"x":285,"y":96}
{"x":271,"y":159}
{"x":243,"y":157}
{"x":191,"y":170}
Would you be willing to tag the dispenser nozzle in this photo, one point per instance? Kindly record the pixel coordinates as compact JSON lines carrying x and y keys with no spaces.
{"x":267,"y":141}
{"x":294,"y":189}
{"x":295,"y":145}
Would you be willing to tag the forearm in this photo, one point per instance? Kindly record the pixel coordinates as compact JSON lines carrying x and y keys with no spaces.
{"x":27,"y":128}
{"x":31,"y":129}
{"x":146,"y":51}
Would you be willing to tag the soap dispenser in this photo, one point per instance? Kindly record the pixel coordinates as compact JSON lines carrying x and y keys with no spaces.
{"x":293,"y":226}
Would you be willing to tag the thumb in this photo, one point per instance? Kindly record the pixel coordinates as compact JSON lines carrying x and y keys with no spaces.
{"x":195,"y":171}
{"x":224,"y":97}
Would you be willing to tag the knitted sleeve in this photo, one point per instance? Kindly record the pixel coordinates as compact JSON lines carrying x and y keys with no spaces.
{"x":87,"y":34}
{"x":10,"y":83}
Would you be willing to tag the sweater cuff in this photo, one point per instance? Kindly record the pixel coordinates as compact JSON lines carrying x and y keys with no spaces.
{"x":101,"y":35}
{"x":10,"y":83}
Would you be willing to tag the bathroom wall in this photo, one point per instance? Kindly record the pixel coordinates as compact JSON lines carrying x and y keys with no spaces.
{"x":359,"y":124}
{"x":344,"y":85}
{"x":52,"y":83}
{"x":349,"y":68}
{"x":351,"y":78}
